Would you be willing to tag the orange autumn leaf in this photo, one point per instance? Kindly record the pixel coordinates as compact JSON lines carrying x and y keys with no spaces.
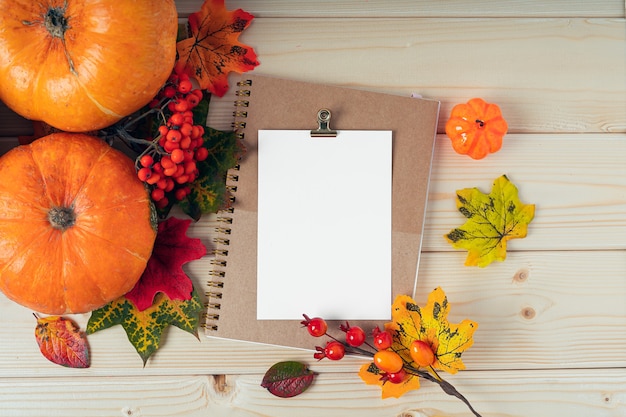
{"x":430,"y":324}
{"x":61,"y":342}
{"x":213,"y":50}
{"x":371,"y":375}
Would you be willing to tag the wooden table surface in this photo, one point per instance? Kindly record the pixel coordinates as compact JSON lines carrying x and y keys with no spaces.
{"x":552,"y":334}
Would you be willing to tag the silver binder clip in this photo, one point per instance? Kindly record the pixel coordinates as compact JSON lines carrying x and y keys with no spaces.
{"x":323,"y":121}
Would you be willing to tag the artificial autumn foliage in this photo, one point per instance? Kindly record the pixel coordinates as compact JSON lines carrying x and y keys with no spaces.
{"x":164,"y":272}
{"x":288,"y":379}
{"x":62,"y":342}
{"x":145,"y":328}
{"x":60,"y":62}
{"x":164,"y":295}
{"x":416,"y":344}
{"x":492,"y":220}
{"x":213,"y":50}
{"x":429,"y":324}
{"x":476,"y":128}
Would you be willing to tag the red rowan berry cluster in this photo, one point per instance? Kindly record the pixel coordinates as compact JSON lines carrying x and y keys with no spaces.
{"x":391,"y":365}
{"x":168,"y":166}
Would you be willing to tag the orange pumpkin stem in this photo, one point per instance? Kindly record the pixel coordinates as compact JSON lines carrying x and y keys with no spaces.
{"x":481,"y":123}
{"x":56,"y":22}
{"x":61,"y":218}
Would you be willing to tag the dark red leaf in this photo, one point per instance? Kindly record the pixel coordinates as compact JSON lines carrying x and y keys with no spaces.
{"x":164,"y":272}
{"x":288,"y":379}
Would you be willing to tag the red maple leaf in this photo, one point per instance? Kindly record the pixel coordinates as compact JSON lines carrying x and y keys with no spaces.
{"x":164,"y":272}
{"x":213,"y":50}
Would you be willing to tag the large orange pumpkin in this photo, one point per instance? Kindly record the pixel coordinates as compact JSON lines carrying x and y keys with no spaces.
{"x":83,"y":65}
{"x":76,"y":224}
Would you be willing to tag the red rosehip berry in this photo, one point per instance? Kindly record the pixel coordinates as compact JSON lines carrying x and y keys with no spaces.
{"x":395,"y":377}
{"x":316,"y":326}
{"x":355,"y":336}
{"x":382,"y":339}
{"x":334,"y":351}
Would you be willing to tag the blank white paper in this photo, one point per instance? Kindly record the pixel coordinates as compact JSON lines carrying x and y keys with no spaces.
{"x":324,"y":225}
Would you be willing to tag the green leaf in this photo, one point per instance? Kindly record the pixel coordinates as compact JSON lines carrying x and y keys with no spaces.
{"x":209,"y":192}
{"x":492,"y":220}
{"x":288,"y":379}
{"x":145,"y":328}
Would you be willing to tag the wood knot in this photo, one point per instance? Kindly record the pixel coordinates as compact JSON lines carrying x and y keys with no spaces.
{"x":521,"y":275}
{"x":220,"y":385}
{"x":528,"y":313}
{"x":130,"y":412}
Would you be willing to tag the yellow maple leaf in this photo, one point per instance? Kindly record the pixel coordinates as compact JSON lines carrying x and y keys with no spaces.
{"x":430,"y":325}
{"x":492,"y":220}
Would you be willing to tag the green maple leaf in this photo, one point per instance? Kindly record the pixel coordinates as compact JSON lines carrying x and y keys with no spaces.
{"x":492,"y":220}
{"x":145,"y":328}
{"x":209,"y":192}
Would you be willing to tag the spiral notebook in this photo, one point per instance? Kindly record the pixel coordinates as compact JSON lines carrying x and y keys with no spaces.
{"x":268,"y":103}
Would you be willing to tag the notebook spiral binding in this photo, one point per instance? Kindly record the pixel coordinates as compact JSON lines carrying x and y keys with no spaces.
{"x":217,"y":274}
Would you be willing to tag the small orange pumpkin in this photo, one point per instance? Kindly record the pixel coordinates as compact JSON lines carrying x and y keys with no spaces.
{"x":83,"y":65}
{"x":476,"y":128}
{"x":76,"y":225}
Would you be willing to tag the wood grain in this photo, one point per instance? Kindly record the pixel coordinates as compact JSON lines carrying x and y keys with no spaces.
{"x":537,"y":310}
{"x":420,"y":8}
{"x":537,"y":70}
{"x":579,"y":197}
{"x":550,"y":340}
{"x":494,"y":394}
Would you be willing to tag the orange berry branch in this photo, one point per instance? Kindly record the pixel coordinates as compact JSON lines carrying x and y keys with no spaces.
{"x":389,"y":366}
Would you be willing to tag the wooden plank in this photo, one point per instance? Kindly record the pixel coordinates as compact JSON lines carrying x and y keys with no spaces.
{"x":548,"y":393}
{"x":419,"y":8}
{"x":531,"y":67}
{"x":537,"y":310}
{"x":577,"y":183}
